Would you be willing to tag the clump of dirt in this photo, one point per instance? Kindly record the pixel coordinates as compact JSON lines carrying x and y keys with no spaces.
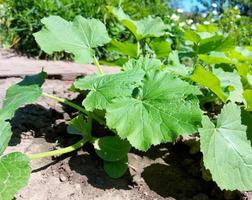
{"x":164,"y":172}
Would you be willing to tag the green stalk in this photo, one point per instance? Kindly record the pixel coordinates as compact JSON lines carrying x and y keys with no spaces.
{"x":138,"y":48}
{"x":58,"y":152}
{"x":69,"y":103}
{"x":75,"y":106}
{"x":97,"y":64}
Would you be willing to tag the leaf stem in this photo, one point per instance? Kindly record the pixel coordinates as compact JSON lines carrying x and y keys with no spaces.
{"x":98,"y":66}
{"x":138,"y":49}
{"x":58,"y":152}
{"x":75,"y":106}
{"x":69,"y":103}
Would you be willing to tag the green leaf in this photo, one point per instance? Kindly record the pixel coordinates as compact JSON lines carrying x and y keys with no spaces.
{"x":124,"y":48}
{"x":37,"y":79}
{"x":249,"y":79}
{"x":216,"y":43}
{"x":192,"y":36}
{"x":79,"y":126}
{"x":5,"y":135}
{"x":105,"y":88}
{"x":111,"y":148}
{"x":246,"y":118}
{"x":215,"y":58}
{"x":17,"y":96}
{"x":78,"y":37}
{"x":209,"y":80}
{"x":174,"y":66}
{"x":211,"y":28}
{"x":247,"y":94}
{"x":162,"y":48}
{"x":160,"y":112}
{"x":14,"y":174}
{"x":226,"y":151}
{"x":116,"y":169}
{"x":25,"y":92}
{"x":147,"y":27}
{"x":143,"y":63}
{"x":241,"y":54}
{"x":231,"y":81}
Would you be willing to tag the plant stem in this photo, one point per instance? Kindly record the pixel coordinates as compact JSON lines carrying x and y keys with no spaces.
{"x":75,"y":106}
{"x":69,"y":103}
{"x":58,"y":152}
{"x":98,"y":66}
{"x":138,"y":49}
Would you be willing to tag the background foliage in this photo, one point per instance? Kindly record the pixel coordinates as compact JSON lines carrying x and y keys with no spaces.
{"x":19,"y":19}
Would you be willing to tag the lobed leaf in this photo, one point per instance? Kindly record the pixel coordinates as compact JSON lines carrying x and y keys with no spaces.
{"x":147,"y":27}
{"x":103,"y":89}
{"x":160,"y":113}
{"x":143,"y":63}
{"x":227,"y":153}
{"x":14,"y":174}
{"x":78,"y":37}
{"x":231,"y":81}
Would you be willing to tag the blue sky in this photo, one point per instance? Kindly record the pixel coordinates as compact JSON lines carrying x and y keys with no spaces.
{"x":188,"y":5}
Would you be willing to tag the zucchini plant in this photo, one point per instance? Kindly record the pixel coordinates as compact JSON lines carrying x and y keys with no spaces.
{"x":154,"y":99}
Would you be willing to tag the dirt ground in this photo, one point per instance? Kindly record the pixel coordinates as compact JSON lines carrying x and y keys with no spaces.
{"x":165,"y":172}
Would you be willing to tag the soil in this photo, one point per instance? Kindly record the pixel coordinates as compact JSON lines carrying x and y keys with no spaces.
{"x":167,"y":171}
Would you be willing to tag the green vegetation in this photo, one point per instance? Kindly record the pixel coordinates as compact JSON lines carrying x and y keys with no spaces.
{"x":172,"y":80}
{"x":20,"y":19}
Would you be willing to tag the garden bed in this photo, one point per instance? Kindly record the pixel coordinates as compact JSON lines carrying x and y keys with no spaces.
{"x":164,"y":172}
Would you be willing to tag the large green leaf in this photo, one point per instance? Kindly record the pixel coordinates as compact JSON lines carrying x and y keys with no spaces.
{"x":105,"y":88}
{"x":161,"y":111}
{"x":124,"y":48}
{"x":216,"y":43}
{"x":5,"y":135}
{"x":147,"y":27}
{"x":143,"y":63}
{"x":14,"y":174}
{"x":231,"y":81}
{"x":162,"y":48}
{"x":227,"y":152}
{"x":111,"y":148}
{"x":191,"y":36}
{"x":215,"y":58}
{"x":17,"y":96}
{"x":78,"y":37}
{"x":24,"y":92}
{"x":209,"y":80}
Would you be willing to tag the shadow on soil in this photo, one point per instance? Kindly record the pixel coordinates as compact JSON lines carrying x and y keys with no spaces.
{"x":91,"y":167}
{"x":37,"y":121}
{"x":180,"y":175}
